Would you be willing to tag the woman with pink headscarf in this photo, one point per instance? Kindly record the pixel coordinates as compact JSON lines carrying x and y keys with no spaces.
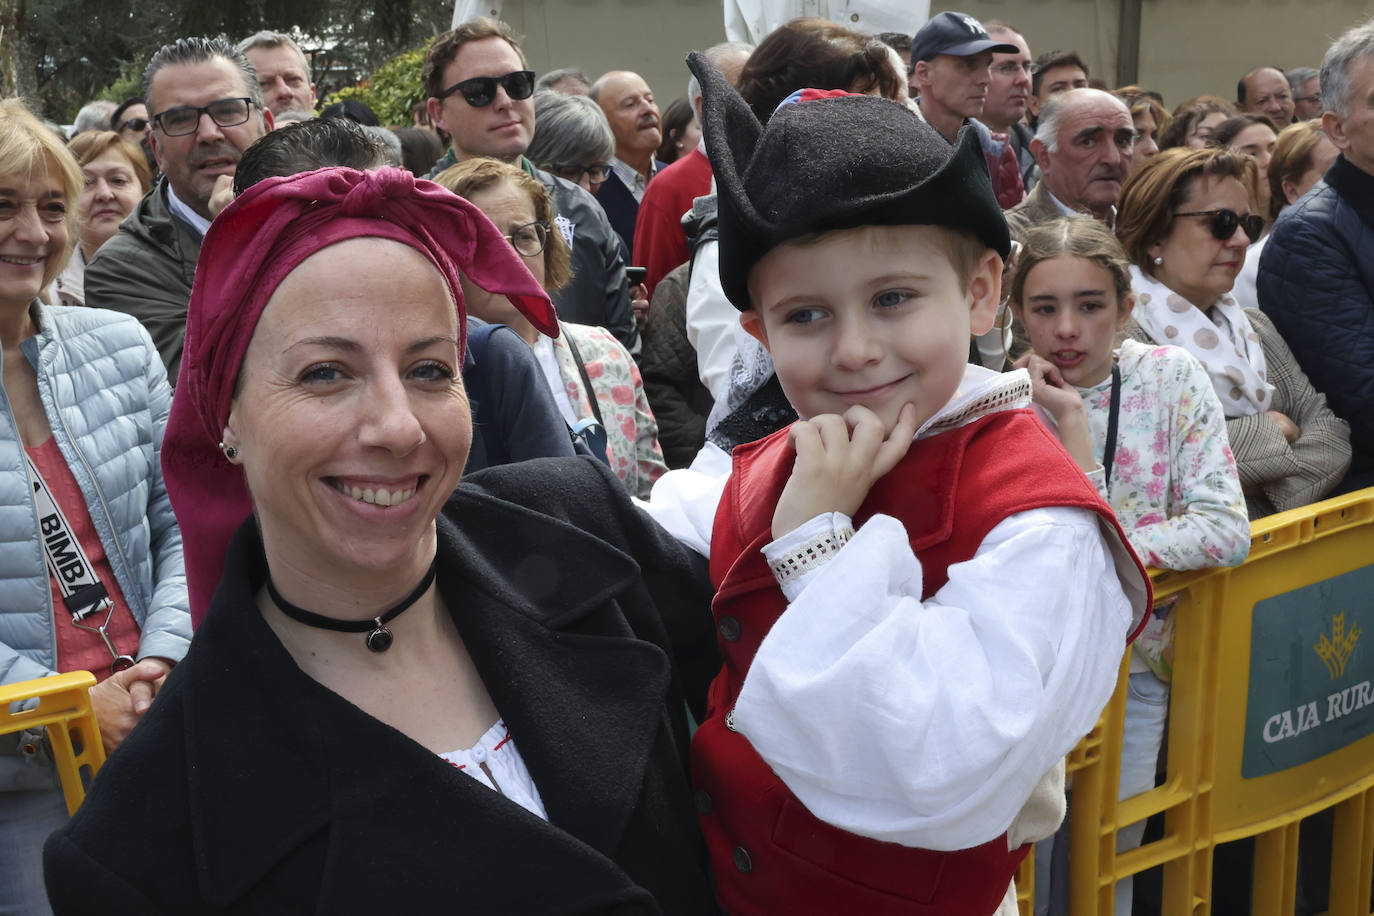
{"x":407,"y":693}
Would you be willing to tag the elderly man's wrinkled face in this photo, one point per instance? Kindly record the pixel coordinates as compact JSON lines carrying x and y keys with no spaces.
{"x":193,"y":162}
{"x":1353,"y":134}
{"x":1267,"y":93}
{"x":1096,"y":139}
{"x":634,"y":116}
{"x":351,"y":423}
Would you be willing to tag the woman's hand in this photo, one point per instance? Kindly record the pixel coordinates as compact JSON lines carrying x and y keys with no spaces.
{"x":1291,"y":431}
{"x":121,"y":699}
{"x":838,"y":460}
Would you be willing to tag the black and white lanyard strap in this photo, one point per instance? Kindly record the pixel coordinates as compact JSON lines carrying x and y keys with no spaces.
{"x":1113,"y":414}
{"x":82,"y":592}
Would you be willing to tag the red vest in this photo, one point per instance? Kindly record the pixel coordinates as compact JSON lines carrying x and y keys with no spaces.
{"x":769,"y":854}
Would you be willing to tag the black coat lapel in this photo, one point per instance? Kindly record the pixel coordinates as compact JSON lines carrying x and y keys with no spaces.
{"x":384,"y":814}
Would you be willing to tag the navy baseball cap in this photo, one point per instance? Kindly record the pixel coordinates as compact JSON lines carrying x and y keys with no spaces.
{"x":958,"y":34}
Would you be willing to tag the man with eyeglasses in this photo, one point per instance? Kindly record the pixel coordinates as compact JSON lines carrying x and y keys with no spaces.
{"x":951,"y":57}
{"x":480,"y":93}
{"x":1305,"y":82}
{"x":206,"y":110}
{"x":1264,"y":90}
{"x":1009,"y":90}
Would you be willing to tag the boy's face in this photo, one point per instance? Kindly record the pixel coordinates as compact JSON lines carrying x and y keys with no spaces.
{"x":873,"y":316}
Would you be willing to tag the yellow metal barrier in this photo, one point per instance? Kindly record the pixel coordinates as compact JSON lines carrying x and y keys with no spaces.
{"x":1271,"y":720}
{"x":64,"y":709}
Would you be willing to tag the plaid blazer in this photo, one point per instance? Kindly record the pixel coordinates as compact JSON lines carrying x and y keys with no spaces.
{"x":1278,"y":476}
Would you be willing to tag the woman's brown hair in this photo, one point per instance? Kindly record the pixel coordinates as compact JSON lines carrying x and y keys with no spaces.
{"x":815,"y":54}
{"x":92,"y":144}
{"x":1291,"y":160}
{"x":472,"y":176}
{"x":1188,"y":114}
{"x":1080,"y":237}
{"x":1151,"y":197}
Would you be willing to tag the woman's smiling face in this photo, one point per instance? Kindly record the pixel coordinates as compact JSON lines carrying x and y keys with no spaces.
{"x":351,"y":422}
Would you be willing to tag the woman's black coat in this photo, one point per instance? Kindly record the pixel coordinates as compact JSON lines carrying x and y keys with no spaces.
{"x":250,"y":788}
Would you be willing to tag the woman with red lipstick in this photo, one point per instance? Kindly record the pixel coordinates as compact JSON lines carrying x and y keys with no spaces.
{"x":1185,"y":220}
{"x":409,"y":694}
{"x":91,"y":574}
{"x":1148,"y":430}
{"x":115,"y":176}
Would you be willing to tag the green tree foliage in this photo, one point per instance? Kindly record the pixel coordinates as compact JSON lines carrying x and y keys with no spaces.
{"x":393,"y":90}
{"x":72,"y":51}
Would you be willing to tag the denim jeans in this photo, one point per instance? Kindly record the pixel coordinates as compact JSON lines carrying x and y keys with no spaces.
{"x":26,"y":820}
{"x":1147,"y":708}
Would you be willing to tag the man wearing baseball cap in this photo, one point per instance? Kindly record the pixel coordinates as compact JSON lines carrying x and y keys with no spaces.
{"x":951,"y":57}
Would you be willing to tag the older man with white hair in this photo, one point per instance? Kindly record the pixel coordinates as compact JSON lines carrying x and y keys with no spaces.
{"x":1316,"y":276}
{"x":1083,"y":145}
{"x":283,"y":71}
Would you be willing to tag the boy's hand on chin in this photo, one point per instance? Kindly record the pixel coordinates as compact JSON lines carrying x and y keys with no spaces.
{"x":838,"y":460}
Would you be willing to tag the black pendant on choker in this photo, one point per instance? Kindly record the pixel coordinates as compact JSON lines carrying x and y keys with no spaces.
{"x":379,"y":636}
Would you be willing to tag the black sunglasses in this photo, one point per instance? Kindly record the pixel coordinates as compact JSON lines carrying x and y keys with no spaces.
{"x":133,"y":124}
{"x":480,"y":91}
{"x":1224,"y":223}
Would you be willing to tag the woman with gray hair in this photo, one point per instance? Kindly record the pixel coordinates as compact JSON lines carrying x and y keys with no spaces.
{"x":572,"y":139}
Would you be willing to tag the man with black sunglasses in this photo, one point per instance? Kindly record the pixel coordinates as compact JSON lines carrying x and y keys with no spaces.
{"x":480,"y":91}
{"x":1316,"y":273}
{"x":206,"y":109}
{"x":130,"y":120}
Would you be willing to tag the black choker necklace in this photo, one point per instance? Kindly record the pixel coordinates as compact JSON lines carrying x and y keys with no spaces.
{"x":379,"y":638}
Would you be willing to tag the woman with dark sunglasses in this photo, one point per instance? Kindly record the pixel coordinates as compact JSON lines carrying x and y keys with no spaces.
{"x":1185,"y":220}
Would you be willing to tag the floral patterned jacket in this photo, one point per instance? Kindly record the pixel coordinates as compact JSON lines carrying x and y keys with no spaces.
{"x":631,"y":430}
{"x":1174,"y":485}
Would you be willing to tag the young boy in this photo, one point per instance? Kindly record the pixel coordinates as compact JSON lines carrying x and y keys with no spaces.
{"x":921,"y":602}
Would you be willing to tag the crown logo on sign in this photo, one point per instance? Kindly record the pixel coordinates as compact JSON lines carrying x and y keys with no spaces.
{"x":1336,"y":650}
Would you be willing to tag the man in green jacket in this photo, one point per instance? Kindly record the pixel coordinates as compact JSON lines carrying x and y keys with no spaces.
{"x":206,"y":108}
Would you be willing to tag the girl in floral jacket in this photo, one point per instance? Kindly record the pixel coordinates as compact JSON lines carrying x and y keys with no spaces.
{"x":1147,"y":428}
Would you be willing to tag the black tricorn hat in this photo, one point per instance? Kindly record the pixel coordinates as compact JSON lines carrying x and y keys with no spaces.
{"x":834,"y":163}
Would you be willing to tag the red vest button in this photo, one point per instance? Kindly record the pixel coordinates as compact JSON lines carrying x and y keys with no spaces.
{"x":743,"y":862}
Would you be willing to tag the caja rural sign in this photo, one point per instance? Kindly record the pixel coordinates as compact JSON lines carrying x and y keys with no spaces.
{"x":1311,"y":666}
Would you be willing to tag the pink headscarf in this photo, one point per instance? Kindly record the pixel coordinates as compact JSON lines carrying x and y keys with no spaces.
{"x":250,"y":248}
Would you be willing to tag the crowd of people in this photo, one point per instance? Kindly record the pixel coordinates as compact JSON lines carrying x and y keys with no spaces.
{"x":583,"y":507}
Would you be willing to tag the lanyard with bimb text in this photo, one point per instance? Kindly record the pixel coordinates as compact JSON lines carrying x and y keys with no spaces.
{"x":82,"y":592}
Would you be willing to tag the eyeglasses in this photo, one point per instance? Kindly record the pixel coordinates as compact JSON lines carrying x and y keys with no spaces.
{"x":133,"y":124}
{"x":1314,"y":98}
{"x":178,"y":122}
{"x":530,"y":238}
{"x":595,"y":173}
{"x":480,"y":91}
{"x":1012,"y":68}
{"x":1224,"y":223}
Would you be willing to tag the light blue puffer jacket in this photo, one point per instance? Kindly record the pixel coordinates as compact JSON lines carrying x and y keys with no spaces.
{"x":106,"y":395}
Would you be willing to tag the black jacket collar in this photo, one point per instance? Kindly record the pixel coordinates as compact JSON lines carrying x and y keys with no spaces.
{"x":1354,"y":185}
{"x":555,"y":666}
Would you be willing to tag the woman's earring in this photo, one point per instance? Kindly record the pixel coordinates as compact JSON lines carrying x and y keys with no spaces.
{"x":229,"y":451}
{"x":1159,"y":259}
